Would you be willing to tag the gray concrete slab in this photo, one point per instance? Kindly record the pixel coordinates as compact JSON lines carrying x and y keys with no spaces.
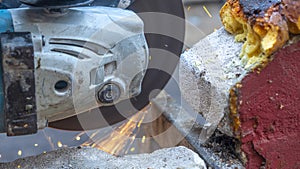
{"x":207,"y":72}
{"x":92,"y":158}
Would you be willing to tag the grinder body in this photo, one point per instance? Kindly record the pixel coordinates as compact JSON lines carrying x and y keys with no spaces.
{"x":56,"y":63}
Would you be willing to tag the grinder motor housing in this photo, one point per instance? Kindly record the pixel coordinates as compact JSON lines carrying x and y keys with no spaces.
{"x":58,"y":62}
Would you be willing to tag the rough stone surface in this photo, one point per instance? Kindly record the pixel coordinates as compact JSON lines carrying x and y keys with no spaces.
{"x":207,"y":72}
{"x":269,"y":110}
{"x":91,"y":158}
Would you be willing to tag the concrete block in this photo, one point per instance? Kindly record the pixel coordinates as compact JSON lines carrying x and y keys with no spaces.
{"x":259,"y":106}
{"x":207,"y":72}
{"x":92,"y":158}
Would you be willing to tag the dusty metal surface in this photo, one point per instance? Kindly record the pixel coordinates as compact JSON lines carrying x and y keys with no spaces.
{"x":19,"y":83}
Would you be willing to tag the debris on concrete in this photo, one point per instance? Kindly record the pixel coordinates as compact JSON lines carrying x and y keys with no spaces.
{"x":92,"y":158}
{"x":224,"y":146}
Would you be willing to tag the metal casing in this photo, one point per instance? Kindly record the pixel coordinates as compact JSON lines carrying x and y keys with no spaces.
{"x":85,"y":48}
{"x":6,"y":25}
{"x":18,"y":83}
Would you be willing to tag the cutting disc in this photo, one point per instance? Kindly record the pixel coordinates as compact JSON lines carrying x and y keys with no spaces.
{"x":164,"y":31}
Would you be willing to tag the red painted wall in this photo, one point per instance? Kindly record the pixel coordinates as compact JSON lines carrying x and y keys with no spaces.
{"x":269,"y":110}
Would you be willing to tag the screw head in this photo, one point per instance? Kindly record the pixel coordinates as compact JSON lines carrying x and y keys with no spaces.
{"x":109,"y":93}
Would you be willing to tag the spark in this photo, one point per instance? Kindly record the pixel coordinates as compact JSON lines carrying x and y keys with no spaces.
{"x":206,"y":10}
{"x":20,"y":152}
{"x":119,"y":141}
{"x":129,"y":124}
{"x":19,"y":166}
{"x":48,"y":139}
{"x":80,"y":134}
{"x":87,"y":143}
{"x":132,"y":149}
{"x":35,"y":145}
{"x":44,"y":152}
{"x":189,"y":7}
{"x":143,"y":139}
{"x":77,"y":138}
{"x":140,"y":122}
{"x":59,"y":144}
{"x":95,"y":134}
